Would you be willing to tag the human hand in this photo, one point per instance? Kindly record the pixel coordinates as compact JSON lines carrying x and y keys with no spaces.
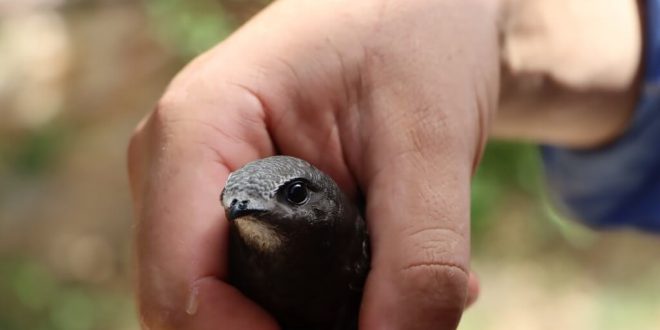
{"x":390,"y":97}
{"x":572,"y":74}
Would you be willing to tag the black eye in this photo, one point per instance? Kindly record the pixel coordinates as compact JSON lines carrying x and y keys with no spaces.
{"x":297,"y":193}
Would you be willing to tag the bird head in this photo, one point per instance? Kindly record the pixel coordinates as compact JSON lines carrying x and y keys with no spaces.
{"x":270,"y":199}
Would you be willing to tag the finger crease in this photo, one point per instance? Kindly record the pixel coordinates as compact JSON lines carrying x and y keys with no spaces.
{"x":437,"y":264}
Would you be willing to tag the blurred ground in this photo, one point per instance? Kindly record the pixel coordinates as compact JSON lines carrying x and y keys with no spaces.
{"x":75,"y":78}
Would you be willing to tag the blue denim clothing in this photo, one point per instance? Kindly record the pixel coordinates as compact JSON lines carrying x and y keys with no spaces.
{"x":618,"y":185}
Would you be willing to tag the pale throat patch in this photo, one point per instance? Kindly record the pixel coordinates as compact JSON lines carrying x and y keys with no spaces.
{"x":258,"y":235}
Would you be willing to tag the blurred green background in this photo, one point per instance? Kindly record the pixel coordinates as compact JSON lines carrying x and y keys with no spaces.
{"x":77,"y":75}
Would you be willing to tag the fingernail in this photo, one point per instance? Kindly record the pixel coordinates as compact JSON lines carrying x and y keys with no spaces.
{"x":193,"y":301}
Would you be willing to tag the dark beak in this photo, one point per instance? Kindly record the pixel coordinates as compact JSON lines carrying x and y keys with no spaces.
{"x":239,"y":209}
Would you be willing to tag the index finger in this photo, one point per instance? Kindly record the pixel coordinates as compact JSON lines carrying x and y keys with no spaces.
{"x":418,"y":211}
{"x":177,"y":172}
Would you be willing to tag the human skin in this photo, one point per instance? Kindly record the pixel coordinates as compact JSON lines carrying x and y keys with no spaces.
{"x":571,"y":70}
{"x":393,"y":98}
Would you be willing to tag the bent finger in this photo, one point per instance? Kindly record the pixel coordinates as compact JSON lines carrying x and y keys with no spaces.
{"x":420,"y":225}
{"x":181,"y":230}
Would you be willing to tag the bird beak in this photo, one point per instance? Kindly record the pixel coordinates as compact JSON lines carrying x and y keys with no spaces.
{"x":240,"y":209}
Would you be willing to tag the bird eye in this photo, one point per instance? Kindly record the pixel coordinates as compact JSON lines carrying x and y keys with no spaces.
{"x":297,"y":193}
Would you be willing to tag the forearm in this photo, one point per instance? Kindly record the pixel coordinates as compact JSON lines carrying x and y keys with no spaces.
{"x":570,"y":70}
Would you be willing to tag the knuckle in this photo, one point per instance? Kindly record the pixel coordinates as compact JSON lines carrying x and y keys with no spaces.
{"x":163,"y":112}
{"x":143,"y":145}
{"x":436,"y":267}
{"x":429,"y":276}
{"x":442,"y":285}
{"x":168,"y":108}
{"x":168,"y":103}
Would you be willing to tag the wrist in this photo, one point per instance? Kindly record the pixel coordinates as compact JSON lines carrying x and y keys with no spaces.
{"x":582,"y":45}
{"x":571,"y":71}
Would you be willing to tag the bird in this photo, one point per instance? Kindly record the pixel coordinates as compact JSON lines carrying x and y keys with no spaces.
{"x":298,"y":246}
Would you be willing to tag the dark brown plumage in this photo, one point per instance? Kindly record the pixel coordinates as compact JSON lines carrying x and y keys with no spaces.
{"x":298,"y":246}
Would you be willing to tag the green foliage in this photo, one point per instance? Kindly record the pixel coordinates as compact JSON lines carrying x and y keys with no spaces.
{"x":506,"y":168}
{"x":35,"y":152}
{"x":33,"y":297}
{"x":514,"y":169}
{"x":189,"y":27}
